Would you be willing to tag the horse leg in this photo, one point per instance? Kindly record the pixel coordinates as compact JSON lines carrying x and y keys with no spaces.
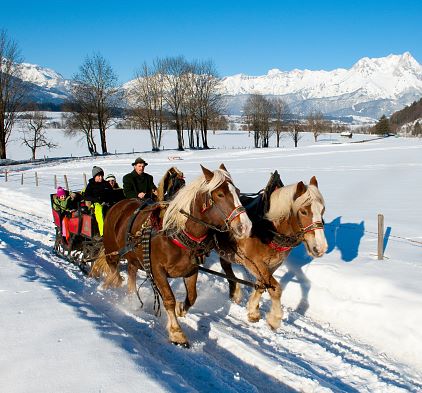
{"x":176,"y":335}
{"x":234,"y":287}
{"x":113,"y":278}
{"x":190,"y":285}
{"x":253,"y":305}
{"x":132,"y":269}
{"x":275,"y":314}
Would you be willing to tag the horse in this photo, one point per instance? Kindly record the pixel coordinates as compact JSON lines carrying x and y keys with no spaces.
{"x":172,"y":181}
{"x":208,"y":203}
{"x":295,"y":215}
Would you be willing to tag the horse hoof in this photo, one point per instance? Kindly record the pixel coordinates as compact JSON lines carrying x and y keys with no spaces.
{"x":182,"y":345}
{"x":254,"y":318}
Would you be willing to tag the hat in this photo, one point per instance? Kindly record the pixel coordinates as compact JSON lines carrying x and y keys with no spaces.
{"x":60,"y":192}
{"x":110,"y":177}
{"x":140,"y":160}
{"x":96,"y":170}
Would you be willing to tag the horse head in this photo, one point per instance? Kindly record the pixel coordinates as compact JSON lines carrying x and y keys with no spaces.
{"x":308,"y":208}
{"x":172,"y":181}
{"x":302,"y":208}
{"x":211,"y":201}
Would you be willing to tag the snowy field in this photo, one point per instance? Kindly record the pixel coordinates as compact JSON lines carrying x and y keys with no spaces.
{"x":351,"y":323}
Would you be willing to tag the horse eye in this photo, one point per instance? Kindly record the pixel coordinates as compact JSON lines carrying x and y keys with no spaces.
{"x":220,"y":195}
{"x":303,"y":212}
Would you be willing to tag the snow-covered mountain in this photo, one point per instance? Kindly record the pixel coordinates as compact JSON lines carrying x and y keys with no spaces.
{"x":371,"y":87}
{"x":45,"y":84}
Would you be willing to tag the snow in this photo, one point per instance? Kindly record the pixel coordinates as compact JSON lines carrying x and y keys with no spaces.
{"x":351,"y":322}
{"x":379,"y":78}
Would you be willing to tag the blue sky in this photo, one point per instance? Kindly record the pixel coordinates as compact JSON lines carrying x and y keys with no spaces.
{"x":249,"y":37}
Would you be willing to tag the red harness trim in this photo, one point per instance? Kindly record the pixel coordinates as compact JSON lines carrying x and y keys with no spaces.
{"x":178,"y":244}
{"x":278,"y":248}
{"x":195,"y":239}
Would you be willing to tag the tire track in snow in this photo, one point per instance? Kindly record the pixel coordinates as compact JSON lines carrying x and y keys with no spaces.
{"x":237,"y":355}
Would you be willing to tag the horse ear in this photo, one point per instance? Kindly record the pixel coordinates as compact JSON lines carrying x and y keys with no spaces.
{"x":300,"y":189}
{"x":314,"y":181}
{"x":223,"y":167}
{"x":207,"y":173}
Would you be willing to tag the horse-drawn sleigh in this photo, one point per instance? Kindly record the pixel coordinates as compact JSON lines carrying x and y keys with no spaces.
{"x":172,"y":240}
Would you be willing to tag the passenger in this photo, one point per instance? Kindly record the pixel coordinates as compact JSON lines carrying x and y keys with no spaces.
{"x":117,"y":194}
{"x":138,"y":183}
{"x":112,"y":180}
{"x":99,"y":193}
{"x":62,"y":203}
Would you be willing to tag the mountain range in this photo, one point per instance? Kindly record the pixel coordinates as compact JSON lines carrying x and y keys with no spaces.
{"x":371,"y":87}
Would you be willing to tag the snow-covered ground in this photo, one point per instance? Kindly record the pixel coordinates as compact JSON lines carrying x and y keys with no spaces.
{"x":351,"y":322}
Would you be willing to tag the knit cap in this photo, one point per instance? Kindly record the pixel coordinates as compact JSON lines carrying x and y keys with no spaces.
{"x":96,"y":170}
{"x":60,"y":192}
{"x":110,"y":176}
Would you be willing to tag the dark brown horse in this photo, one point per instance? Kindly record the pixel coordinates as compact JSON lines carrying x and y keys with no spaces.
{"x":294,"y":215}
{"x":209,"y":202}
{"x":172,"y":181}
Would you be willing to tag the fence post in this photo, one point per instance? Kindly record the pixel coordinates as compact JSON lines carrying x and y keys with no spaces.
{"x":55,"y":182}
{"x":36,"y":179}
{"x":85,"y":180}
{"x":22,"y":179}
{"x":5,"y":175}
{"x":66,"y":184}
{"x":380,"y":237}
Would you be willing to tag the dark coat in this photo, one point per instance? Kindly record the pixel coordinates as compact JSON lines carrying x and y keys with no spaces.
{"x":133,"y":184}
{"x":99,"y":192}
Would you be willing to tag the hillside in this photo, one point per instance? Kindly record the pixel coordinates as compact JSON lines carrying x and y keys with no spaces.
{"x":408,"y":115}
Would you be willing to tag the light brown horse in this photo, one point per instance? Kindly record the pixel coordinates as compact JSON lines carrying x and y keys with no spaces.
{"x":295,"y":214}
{"x":209,"y":202}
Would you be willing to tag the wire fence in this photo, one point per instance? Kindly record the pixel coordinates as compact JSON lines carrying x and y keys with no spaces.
{"x":77,"y":183}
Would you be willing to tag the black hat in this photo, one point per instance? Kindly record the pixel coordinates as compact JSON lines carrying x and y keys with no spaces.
{"x":140,"y":160}
{"x":96,"y":170}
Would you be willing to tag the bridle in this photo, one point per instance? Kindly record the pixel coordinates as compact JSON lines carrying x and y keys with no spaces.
{"x":282,"y":243}
{"x":312,"y":227}
{"x":208,"y":204}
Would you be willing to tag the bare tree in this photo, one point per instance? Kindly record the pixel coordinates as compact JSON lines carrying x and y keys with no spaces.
{"x":295,"y":129}
{"x":81,"y":120}
{"x":12,"y":88}
{"x":258,"y":111}
{"x":147,"y":94}
{"x":209,"y":102}
{"x":34,"y":136}
{"x":280,"y":111}
{"x":97,"y":84}
{"x":316,"y":124}
{"x":174,"y":71}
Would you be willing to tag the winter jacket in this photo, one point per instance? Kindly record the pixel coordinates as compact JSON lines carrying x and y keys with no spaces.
{"x":61,"y":205}
{"x":133,"y":184}
{"x":100,"y":192}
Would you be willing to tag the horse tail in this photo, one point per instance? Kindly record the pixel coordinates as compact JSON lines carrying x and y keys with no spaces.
{"x":100,"y":266}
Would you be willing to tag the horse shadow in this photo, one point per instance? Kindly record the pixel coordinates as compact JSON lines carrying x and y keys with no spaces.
{"x":344,"y":237}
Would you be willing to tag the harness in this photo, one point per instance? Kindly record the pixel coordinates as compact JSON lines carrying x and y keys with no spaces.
{"x":142,"y":238}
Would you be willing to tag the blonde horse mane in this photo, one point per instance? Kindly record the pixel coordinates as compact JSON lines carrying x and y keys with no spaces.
{"x":161,"y":185}
{"x":282,"y":203}
{"x":173,"y":219}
